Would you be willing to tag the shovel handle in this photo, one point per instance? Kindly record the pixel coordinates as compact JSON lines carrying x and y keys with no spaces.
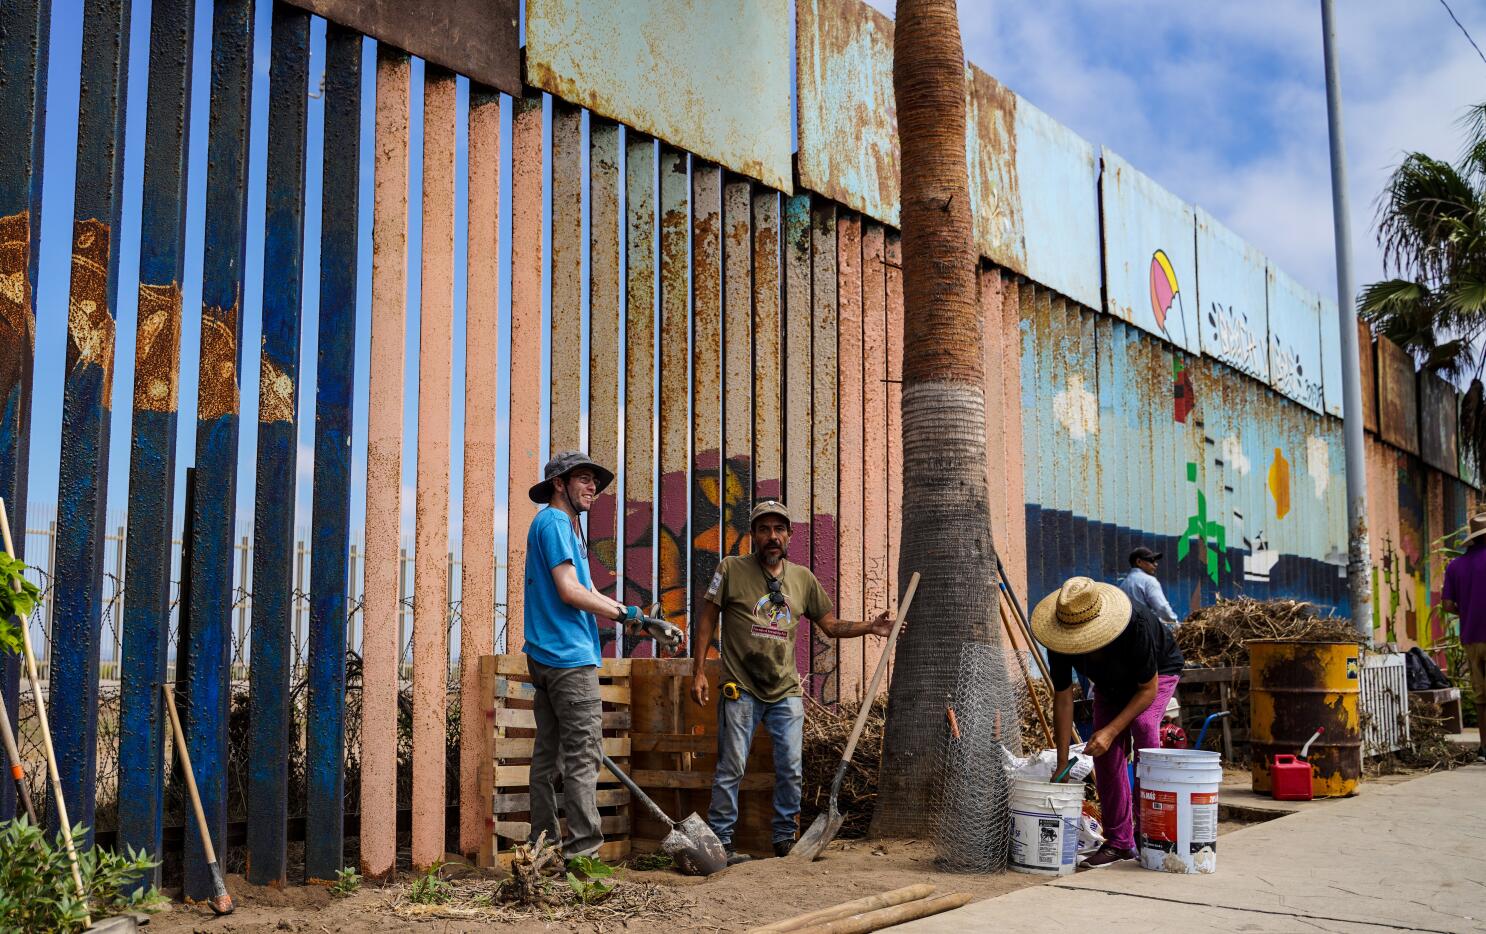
{"x":887,"y":654}
{"x":634,"y":789}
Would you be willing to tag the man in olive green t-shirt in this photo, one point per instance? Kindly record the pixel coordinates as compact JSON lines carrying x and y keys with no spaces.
{"x":760,"y":599}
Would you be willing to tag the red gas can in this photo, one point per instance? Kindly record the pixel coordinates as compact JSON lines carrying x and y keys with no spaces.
{"x":1290,"y":778}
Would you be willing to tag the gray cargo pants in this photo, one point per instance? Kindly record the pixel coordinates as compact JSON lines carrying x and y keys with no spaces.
{"x":569,"y":743}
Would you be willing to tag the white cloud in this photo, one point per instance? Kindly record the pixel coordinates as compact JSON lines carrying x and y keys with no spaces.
{"x":1224,"y":104}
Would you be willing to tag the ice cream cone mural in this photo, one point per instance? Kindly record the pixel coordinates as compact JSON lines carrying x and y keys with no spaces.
{"x":1165,"y":292}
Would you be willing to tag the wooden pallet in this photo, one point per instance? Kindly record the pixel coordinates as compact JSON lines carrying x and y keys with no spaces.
{"x":652,"y":730}
{"x":673,"y":744}
{"x":506,"y":694}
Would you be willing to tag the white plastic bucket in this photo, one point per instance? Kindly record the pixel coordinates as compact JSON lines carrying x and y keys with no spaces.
{"x":1044,"y":826}
{"x":1179,"y":809}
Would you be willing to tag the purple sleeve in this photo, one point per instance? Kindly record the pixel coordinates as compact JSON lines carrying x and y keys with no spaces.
{"x":1451,"y":574}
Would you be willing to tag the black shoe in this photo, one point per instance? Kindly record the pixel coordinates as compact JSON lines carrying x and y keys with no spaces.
{"x":734,"y":857}
{"x":782,"y":847}
{"x":1107,"y":855}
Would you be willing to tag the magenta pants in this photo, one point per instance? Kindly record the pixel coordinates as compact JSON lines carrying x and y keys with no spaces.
{"x":1111,"y":770}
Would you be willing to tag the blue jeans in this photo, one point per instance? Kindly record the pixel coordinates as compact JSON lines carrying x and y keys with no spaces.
{"x":736,"y":721}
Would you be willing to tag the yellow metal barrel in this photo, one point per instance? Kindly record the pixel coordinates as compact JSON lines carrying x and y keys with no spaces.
{"x":1296,"y":688}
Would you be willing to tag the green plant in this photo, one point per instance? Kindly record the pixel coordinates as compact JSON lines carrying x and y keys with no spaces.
{"x":16,"y":601}
{"x":37,"y":892}
{"x":590,"y":879}
{"x":347,"y":882}
{"x":430,"y":888}
{"x":646,"y":862}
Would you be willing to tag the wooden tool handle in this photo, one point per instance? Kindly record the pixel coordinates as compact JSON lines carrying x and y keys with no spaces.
{"x":887,"y":653}
{"x":180,"y":747}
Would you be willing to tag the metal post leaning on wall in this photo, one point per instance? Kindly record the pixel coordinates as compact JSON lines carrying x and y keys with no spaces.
{"x":1358,"y":561}
{"x":208,"y":647}
{"x":23,"y":61}
{"x":146,"y":624}
{"x":86,"y":403}
{"x":335,"y":380}
{"x":278,"y":430}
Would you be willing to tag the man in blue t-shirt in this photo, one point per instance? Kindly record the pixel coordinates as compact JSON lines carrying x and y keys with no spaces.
{"x":562,"y":652}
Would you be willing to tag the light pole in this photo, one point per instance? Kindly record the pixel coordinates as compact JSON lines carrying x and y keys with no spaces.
{"x":1358,"y":562}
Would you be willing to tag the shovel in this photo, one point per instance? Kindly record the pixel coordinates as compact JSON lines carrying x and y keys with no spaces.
{"x":813,"y":841}
{"x":691,"y":843}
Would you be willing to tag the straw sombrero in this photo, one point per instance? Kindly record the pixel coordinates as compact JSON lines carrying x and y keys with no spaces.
{"x":1475,"y":530}
{"x":1082,"y":616}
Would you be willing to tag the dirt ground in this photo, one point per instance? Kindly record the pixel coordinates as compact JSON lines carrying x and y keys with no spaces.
{"x":737,"y":899}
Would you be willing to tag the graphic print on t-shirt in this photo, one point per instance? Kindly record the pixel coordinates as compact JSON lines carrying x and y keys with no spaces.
{"x":772,"y":619}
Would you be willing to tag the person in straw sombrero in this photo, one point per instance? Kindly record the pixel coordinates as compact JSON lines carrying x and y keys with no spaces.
{"x":1134,"y":664}
{"x":1465,"y":595}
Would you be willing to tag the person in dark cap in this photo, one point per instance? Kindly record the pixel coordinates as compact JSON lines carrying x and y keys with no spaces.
{"x":758,"y":600}
{"x":563,"y":653}
{"x":1141,"y":586}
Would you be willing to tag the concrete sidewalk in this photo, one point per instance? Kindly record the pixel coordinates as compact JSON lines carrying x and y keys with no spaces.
{"x":1409,"y":857}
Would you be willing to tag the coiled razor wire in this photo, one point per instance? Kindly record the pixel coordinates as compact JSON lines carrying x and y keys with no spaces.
{"x":972,"y":798}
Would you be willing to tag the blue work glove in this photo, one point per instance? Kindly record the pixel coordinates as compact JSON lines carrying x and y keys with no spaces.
{"x":631,"y":615}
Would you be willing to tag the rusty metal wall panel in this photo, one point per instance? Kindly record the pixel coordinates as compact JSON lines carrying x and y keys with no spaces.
{"x":1057,"y":180}
{"x":273,"y":652}
{"x":768,"y":438}
{"x":1150,"y":263}
{"x":824,"y":436}
{"x":798,"y":366}
{"x":477,"y":38}
{"x":87,"y":410}
{"x":989,"y":285}
{"x":893,"y":261}
{"x":991,"y":154}
{"x":672,"y":426}
{"x":848,"y":118}
{"x":639,"y":376}
{"x":1439,"y":423}
{"x":24,"y":53}
{"x":603,"y":350}
{"x":1012,"y":542}
{"x":381,"y":608}
{"x":431,"y":519}
{"x":481,"y":365}
{"x":1294,"y":340}
{"x":1232,"y":307}
{"x":1398,"y":401}
{"x":875,"y":442}
{"x":1331,"y":358}
{"x":715,"y":83}
{"x":1367,"y":362}
{"x":331,"y":586}
{"x":566,"y":337}
{"x":707,"y":473}
{"x":735,"y":491}
{"x":847,"y":503}
{"x":157,"y":351}
{"x":526,"y":351}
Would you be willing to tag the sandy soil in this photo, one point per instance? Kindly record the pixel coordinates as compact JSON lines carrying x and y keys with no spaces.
{"x":734,"y":900}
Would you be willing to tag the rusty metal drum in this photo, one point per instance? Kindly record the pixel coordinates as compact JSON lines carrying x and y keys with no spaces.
{"x":1296,"y":688}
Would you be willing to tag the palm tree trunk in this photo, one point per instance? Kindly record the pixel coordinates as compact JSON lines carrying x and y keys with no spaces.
{"x":946,"y":517}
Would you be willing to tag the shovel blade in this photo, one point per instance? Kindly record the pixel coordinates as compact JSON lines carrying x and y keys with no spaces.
{"x":695,"y":848}
{"x":821,"y":832}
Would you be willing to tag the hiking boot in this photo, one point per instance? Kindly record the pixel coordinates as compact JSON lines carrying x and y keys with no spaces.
{"x":1106,"y":855}
{"x":782,"y":847}
{"x":734,"y":857}
{"x":1481,"y":754}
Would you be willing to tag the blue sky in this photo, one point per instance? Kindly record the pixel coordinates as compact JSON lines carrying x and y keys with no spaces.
{"x":1222,"y":103}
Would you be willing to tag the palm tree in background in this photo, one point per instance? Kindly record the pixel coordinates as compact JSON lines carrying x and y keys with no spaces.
{"x":946,"y":534}
{"x":1432,"y":228}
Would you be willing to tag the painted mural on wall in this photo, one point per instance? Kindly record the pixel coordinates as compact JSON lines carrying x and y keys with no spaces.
{"x":1231,"y":295}
{"x":1294,"y":340}
{"x":1150,"y":262}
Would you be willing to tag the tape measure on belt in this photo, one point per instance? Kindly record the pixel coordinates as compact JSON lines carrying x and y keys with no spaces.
{"x":731,"y":691}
